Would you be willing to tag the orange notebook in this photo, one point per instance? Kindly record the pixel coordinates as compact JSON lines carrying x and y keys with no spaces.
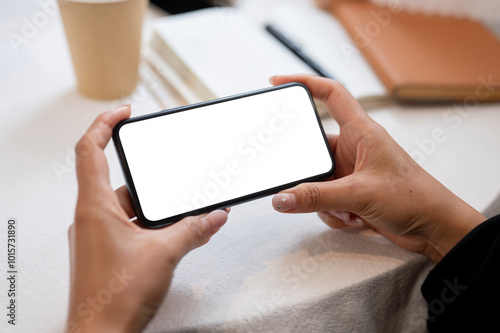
{"x":424,"y":57}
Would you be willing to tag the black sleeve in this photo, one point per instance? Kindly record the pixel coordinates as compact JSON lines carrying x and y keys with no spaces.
{"x":463,"y":290}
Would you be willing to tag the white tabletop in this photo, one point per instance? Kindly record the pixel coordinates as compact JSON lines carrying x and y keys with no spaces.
{"x":263,"y":271}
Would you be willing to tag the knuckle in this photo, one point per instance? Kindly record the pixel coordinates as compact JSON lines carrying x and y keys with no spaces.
{"x":195,"y":226}
{"x":375,"y":129}
{"x":336,"y":85}
{"x":332,"y":89}
{"x":310,"y":195}
{"x":104,"y":119}
{"x":80,"y":144}
{"x":83,"y":147}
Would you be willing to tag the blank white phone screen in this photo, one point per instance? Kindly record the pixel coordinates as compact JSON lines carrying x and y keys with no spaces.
{"x":187,"y":160}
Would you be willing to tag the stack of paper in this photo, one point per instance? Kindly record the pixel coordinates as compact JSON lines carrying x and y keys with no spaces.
{"x":218,"y":52}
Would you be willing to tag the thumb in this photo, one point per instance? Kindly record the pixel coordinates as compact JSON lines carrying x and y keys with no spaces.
{"x":337,"y":194}
{"x":192,"y":232}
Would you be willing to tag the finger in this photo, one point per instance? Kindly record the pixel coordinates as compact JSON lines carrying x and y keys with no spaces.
{"x":332,"y":141}
{"x":321,"y":196}
{"x":91,"y":164}
{"x":125,"y":202}
{"x":339,"y":102}
{"x":193,"y":231}
{"x":341,"y":219}
{"x":332,"y":222}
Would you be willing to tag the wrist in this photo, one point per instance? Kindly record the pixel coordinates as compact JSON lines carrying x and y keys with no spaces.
{"x":101,"y":318}
{"x":453,"y":222}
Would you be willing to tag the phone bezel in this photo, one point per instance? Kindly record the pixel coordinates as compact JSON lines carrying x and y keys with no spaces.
{"x":229,"y":203}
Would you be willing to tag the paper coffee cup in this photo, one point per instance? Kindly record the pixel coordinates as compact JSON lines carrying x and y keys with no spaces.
{"x":104,"y":39}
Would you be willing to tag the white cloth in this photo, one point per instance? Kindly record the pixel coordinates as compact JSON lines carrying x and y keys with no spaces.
{"x":270,"y":272}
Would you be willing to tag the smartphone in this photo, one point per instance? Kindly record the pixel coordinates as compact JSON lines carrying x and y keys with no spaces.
{"x":212,"y":155}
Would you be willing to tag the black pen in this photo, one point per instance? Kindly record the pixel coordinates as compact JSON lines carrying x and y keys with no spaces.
{"x":297,"y":51}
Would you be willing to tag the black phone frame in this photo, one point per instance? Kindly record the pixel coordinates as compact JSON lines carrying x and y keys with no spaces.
{"x":143,"y":221}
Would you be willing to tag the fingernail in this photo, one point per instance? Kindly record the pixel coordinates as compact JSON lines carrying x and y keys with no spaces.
{"x":344,"y":216}
{"x":271,"y":79}
{"x":284,"y":202}
{"x":214,"y":220}
{"x":121,"y":107}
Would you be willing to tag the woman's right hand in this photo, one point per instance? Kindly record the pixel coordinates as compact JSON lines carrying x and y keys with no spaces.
{"x":376,"y":182}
